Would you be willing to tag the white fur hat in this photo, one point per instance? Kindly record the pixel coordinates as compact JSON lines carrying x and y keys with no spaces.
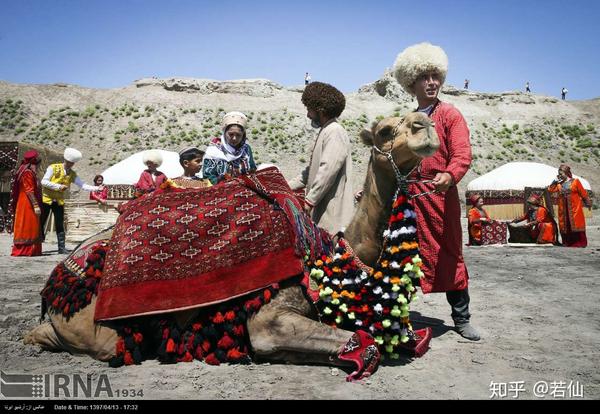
{"x":234,"y":118}
{"x":154,"y":156}
{"x":72,"y":155}
{"x":418,"y":59}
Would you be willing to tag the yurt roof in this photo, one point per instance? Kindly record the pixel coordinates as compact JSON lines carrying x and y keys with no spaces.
{"x":517,"y":176}
{"x":128,"y":171}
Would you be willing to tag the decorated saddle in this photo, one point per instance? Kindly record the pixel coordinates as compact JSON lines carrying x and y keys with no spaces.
{"x":179,"y":249}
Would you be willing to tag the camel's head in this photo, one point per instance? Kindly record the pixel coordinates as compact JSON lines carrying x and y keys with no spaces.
{"x":409,"y":139}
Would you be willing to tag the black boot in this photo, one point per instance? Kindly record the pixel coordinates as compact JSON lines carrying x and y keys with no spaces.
{"x":61,"y":244}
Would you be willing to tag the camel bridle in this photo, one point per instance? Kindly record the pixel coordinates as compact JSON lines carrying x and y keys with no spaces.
{"x":402,"y":179}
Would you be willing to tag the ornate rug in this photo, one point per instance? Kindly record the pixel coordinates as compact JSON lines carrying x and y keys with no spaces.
{"x":494,"y":233}
{"x":180,"y":249}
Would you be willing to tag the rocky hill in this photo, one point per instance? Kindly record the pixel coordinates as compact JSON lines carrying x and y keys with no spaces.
{"x":108,"y":125}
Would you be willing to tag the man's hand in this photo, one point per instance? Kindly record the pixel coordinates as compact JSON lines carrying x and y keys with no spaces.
{"x":63,"y":187}
{"x":358,"y":195}
{"x":37,"y":211}
{"x":308,"y":210}
{"x":442,"y":182}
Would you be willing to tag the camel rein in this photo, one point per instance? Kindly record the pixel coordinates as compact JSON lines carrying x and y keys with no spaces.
{"x":402,"y":179}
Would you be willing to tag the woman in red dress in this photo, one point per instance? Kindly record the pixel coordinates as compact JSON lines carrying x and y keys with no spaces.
{"x":477,"y":215}
{"x":26,"y":200}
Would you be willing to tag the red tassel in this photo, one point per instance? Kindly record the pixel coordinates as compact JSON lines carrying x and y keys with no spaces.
{"x":267,"y":295}
{"x":190,"y":341}
{"x":229,"y":316}
{"x":226,"y":342}
{"x":234,"y":354}
{"x":138,"y":338}
{"x":170,"y":346}
{"x":199,"y":354}
{"x":206,"y":346}
{"x":128,"y":359}
{"x":196,"y":327}
{"x":238,"y":330}
{"x":187,"y":357}
{"x":120,"y":347}
{"x":211,"y":359}
{"x":218,"y":318}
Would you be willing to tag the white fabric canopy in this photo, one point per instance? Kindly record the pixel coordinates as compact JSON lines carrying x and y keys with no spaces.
{"x":517,"y":176}
{"x":128,"y":171}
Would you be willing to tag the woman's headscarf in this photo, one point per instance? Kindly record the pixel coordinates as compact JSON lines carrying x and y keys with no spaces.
{"x":474,"y":198}
{"x":535,"y":199}
{"x":31,"y":159}
{"x":566,"y":169}
{"x":220,"y":149}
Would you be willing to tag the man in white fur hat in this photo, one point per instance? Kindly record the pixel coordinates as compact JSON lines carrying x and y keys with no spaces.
{"x":57,"y":180}
{"x":421,"y":70}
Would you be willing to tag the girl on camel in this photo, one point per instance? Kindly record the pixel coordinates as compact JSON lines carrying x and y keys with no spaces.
{"x":230,"y":154}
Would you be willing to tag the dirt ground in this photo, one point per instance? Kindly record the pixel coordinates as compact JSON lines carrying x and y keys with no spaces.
{"x":538,"y":310}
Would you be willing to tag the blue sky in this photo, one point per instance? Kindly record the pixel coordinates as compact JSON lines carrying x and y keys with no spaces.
{"x":497,"y":44}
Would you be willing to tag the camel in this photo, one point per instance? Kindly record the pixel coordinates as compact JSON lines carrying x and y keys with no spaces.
{"x":286,"y":329}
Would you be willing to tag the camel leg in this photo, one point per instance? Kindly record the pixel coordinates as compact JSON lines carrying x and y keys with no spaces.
{"x":45,"y":336}
{"x":282,"y":331}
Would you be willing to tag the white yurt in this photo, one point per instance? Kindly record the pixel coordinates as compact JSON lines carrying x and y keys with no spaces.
{"x":128,"y":171}
{"x":86,"y":217}
{"x":505,"y":189}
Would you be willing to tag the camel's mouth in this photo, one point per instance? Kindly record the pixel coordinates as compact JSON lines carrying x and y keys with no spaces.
{"x":424,"y":150}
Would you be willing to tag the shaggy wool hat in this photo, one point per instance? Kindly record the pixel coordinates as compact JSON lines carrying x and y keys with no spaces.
{"x":323,"y":97}
{"x":154,"y":156}
{"x":418,"y":59}
{"x":72,"y":155}
{"x":234,"y":118}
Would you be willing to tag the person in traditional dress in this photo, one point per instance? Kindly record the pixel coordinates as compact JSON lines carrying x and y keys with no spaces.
{"x":57,"y":179}
{"x":571,"y":199}
{"x":230,"y":154}
{"x":151,"y":178}
{"x":191,"y":161}
{"x":26,"y":201}
{"x":477,"y":215}
{"x":421,"y":70}
{"x":542,"y":227}
{"x":327,"y":180}
{"x":99,"y":196}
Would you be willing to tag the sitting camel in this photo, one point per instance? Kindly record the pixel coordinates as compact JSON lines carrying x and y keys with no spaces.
{"x":286,"y":328}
